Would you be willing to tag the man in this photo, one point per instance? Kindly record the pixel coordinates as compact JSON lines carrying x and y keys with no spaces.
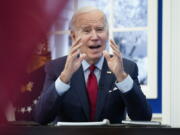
{"x":90,"y":84}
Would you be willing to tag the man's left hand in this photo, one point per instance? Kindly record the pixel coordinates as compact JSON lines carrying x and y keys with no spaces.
{"x":115,"y":62}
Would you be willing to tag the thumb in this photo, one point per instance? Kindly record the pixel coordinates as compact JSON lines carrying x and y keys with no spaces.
{"x":106,"y":55}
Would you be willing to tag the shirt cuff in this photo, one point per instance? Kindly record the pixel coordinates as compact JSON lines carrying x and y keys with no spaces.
{"x":126,"y":85}
{"x":61,"y":87}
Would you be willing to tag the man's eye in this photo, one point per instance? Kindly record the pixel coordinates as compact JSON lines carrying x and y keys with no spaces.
{"x":86,"y":30}
{"x":100,"y":29}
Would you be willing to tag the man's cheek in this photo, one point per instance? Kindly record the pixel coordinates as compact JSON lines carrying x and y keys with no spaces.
{"x":84,"y":42}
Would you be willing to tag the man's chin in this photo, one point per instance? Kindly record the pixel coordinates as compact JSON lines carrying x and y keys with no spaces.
{"x":94,"y":57}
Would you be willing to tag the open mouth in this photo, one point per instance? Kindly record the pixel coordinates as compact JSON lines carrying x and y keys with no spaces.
{"x":95,"y":47}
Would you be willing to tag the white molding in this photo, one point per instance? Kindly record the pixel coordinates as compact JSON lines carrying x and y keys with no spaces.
{"x":166,"y":60}
{"x":175,"y":72}
{"x":151,"y":89}
{"x":171,"y":63}
{"x":129,"y":29}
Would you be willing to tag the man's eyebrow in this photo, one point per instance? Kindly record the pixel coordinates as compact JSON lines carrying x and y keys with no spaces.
{"x":100,"y":26}
{"x":85,"y":26}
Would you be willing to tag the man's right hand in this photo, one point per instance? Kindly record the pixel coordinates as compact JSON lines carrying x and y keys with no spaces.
{"x":73,"y":62}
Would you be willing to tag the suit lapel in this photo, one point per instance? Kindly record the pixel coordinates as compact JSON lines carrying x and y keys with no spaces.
{"x":80,"y":87}
{"x":105,"y":83}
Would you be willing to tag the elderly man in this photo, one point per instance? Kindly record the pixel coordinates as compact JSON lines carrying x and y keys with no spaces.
{"x":90,"y":84}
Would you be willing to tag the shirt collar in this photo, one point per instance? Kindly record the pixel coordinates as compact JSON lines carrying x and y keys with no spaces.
{"x":98,"y":64}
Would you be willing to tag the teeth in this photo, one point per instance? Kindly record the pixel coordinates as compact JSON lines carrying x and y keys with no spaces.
{"x":94,"y":47}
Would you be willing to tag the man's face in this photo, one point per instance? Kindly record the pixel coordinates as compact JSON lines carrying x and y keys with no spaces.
{"x":90,"y":27}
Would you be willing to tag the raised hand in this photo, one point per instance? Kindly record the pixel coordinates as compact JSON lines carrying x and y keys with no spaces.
{"x":73,"y":62}
{"x":115,"y":62}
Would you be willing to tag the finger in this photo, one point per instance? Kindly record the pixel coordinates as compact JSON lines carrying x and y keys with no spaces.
{"x":75,"y":54}
{"x":114,"y":44}
{"x":76,"y":42}
{"x":117,"y":54}
{"x":115,"y":48}
{"x":75,"y":48}
{"x":106,"y":55}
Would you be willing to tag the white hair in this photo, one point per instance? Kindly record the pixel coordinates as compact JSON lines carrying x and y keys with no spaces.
{"x":85,"y":10}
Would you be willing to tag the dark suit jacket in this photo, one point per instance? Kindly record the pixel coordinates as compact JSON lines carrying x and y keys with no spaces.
{"x":73,"y":105}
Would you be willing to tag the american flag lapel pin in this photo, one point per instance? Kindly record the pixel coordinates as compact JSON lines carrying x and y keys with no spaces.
{"x":109,"y":72}
{"x":115,"y":89}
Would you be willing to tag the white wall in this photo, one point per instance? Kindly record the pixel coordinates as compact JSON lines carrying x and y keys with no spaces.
{"x":171,"y":62}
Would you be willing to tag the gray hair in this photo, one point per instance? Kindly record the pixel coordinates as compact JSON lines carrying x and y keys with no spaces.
{"x":85,"y":10}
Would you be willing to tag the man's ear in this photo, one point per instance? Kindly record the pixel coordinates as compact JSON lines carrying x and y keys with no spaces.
{"x":73,"y":35}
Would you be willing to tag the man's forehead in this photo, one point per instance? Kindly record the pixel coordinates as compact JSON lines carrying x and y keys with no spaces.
{"x":90,"y":18}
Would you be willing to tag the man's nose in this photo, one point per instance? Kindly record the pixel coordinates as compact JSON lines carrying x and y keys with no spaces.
{"x":94,"y":35}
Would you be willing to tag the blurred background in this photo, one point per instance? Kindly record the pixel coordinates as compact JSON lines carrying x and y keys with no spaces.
{"x":146,"y":32}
